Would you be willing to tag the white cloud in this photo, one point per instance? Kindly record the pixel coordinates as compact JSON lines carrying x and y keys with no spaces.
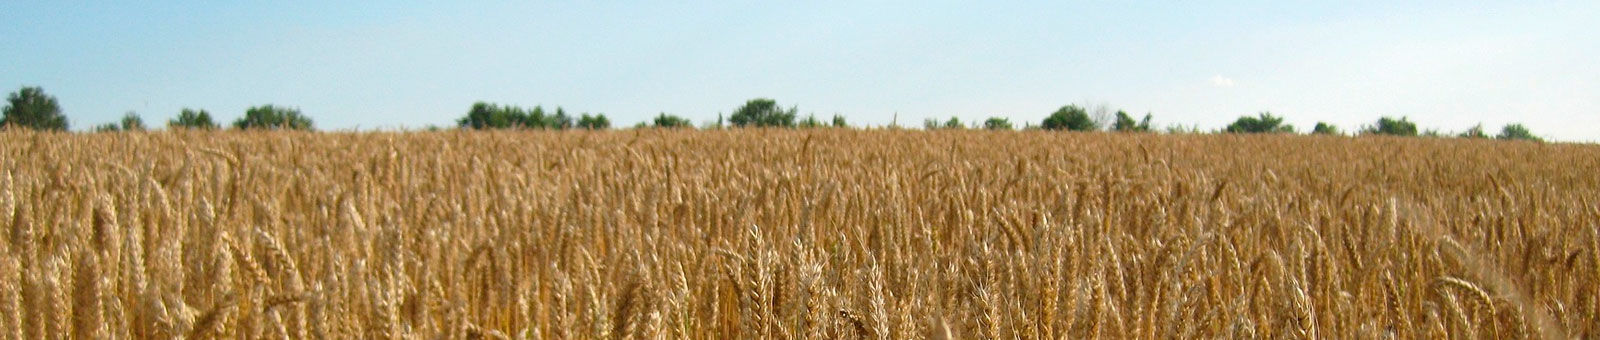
{"x":1221,"y":81}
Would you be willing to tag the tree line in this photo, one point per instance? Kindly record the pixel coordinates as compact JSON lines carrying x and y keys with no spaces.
{"x":31,"y":108}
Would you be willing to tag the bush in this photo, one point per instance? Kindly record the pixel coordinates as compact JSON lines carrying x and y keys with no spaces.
{"x":1071,"y":118}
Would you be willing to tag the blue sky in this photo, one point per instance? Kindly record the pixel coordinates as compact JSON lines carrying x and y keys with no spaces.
{"x":1445,"y":64}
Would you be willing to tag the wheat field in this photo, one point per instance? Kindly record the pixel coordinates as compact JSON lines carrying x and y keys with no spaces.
{"x":794,"y":234}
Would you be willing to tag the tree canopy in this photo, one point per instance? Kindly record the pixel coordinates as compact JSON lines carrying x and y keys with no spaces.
{"x":1071,"y":118}
{"x":763,"y":112}
{"x":1392,"y":127}
{"x":31,"y":108}
{"x":997,"y":123}
{"x":1476,"y":131}
{"x":1517,"y":132}
{"x":811,"y":122}
{"x":665,"y":120}
{"x":484,"y":115}
{"x":192,"y":119}
{"x":487,"y":115}
{"x":129,"y":122}
{"x":273,"y":118}
{"x":1125,"y":123}
{"x":595,"y":122}
{"x":1323,"y":128}
{"x":1264,"y":122}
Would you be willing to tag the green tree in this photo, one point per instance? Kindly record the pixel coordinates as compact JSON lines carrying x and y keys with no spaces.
{"x":534,"y":118}
{"x":558,"y":121}
{"x":811,"y":121}
{"x":763,"y":112}
{"x":954,"y":124}
{"x":1179,"y":129}
{"x":132,"y":122}
{"x":1071,"y":118}
{"x":1264,"y":122}
{"x":273,"y":118}
{"x":838,"y":121}
{"x":997,"y":123}
{"x":1325,"y":129}
{"x":31,"y":108}
{"x":1517,"y":132}
{"x":1125,"y":123}
{"x":665,"y":120}
{"x":1392,"y":127}
{"x":107,"y":127}
{"x":484,"y":116}
{"x":595,"y":122}
{"x":192,"y":119}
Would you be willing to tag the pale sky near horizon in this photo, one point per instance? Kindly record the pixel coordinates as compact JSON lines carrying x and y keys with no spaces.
{"x":1446,"y":65}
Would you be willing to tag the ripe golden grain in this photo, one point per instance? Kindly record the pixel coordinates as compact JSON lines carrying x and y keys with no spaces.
{"x":881,"y":234}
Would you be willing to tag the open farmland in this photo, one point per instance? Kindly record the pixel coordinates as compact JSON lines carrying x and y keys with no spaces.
{"x":794,"y":234}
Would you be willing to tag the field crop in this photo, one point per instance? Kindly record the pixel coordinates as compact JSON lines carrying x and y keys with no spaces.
{"x":794,"y":234}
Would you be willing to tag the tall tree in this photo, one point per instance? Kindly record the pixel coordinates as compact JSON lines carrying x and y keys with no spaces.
{"x":763,"y":112}
{"x":31,"y":108}
{"x":1071,"y":118}
{"x":273,"y":118}
{"x":192,"y":119}
{"x":838,"y":121}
